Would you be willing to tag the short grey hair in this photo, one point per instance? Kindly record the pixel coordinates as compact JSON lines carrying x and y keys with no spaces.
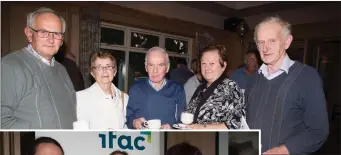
{"x":286,"y":27}
{"x":159,"y":49}
{"x":31,"y":17}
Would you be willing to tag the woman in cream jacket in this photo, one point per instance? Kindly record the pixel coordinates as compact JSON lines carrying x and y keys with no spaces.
{"x":102,"y":106}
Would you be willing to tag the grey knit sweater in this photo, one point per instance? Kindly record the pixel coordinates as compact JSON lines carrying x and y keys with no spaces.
{"x":35,"y":95}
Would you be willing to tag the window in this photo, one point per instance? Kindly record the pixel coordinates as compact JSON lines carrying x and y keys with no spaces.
{"x":112,"y":36}
{"x":146,"y":41}
{"x":129,"y":46}
{"x":174,"y":59}
{"x":178,"y":46}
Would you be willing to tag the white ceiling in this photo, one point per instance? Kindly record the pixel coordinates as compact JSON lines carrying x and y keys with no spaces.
{"x":242,"y":4}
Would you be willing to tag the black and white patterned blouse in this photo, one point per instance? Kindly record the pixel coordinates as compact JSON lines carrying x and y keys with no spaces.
{"x":221,"y":102}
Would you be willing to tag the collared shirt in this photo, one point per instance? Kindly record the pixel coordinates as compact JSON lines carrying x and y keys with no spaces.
{"x":286,"y":64}
{"x":157,"y":89}
{"x":33,"y":52}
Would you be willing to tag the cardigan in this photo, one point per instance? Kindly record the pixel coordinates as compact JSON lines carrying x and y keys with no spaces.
{"x":102,"y":111}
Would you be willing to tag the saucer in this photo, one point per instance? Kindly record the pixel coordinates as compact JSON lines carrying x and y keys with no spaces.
{"x":180,"y":126}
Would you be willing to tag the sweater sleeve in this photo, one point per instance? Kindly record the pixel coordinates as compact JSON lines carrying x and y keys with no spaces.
{"x":133,"y":107}
{"x":13,"y":87}
{"x":315,"y":119}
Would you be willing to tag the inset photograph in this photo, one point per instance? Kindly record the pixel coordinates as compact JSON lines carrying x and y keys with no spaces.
{"x":129,"y":143}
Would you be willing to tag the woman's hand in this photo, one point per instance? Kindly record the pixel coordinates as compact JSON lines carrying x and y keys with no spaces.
{"x":220,"y":126}
{"x":196,"y":126}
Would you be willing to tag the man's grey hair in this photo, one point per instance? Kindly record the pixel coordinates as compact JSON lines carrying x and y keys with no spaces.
{"x":286,"y":27}
{"x":159,"y":49}
{"x":31,"y":17}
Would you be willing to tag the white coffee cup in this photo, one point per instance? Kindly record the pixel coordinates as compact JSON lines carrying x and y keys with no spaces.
{"x":187,"y":118}
{"x":81,"y":125}
{"x":152,"y":124}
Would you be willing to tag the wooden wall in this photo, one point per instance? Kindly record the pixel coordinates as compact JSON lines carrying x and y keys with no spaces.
{"x":14,"y":15}
{"x":308,"y":31}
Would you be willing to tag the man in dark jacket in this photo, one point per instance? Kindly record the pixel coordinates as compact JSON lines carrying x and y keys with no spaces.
{"x":68,"y":60}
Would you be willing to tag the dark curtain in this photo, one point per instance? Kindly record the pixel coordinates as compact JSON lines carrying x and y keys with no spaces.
{"x":89,"y":40}
{"x":202,"y":39}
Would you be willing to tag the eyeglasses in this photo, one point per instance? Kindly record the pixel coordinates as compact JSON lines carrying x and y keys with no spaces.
{"x":100,"y":68}
{"x":46,"y":34}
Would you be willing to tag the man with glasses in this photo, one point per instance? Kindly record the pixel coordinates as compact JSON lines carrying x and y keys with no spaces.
{"x":36,"y":91}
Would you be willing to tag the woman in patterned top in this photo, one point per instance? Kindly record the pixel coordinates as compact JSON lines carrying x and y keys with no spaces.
{"x":219,"y":103}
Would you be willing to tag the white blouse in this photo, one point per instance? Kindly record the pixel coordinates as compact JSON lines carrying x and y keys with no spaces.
{"x":101,"y":111}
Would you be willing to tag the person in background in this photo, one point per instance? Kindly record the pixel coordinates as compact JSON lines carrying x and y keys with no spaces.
{"x":102,"y":105}
{"x":36,"y":90}
{"x":194,"y":66}
{"x":285,"y":98}
{"x":155,"y":97}
{"x":181,"y":74}
{"x":192,"y":83}
{"x":183,"y":149}
{"x":46,"y":146}
{"x":118,"y":152}
{"x":241,"y":75}
{"x":68,"y":60}
{"x":219,"y":103}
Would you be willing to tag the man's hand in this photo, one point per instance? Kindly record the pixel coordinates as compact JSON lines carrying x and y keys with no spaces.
{"x":281,"y":150}
{"x":166,"y":126}
{"x":137,"y":123}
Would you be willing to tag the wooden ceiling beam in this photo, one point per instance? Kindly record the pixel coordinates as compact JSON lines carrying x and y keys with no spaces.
{"x":216,"y":8}
{"x":275,"y":7}
{"x":211,"y":7}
